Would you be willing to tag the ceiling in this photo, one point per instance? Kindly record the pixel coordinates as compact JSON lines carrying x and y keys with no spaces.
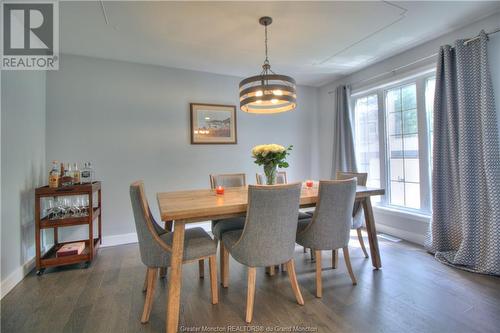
{"x":315,"y":42}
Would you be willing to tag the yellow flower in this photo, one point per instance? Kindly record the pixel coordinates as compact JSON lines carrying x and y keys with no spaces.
{"x":266,"y":149}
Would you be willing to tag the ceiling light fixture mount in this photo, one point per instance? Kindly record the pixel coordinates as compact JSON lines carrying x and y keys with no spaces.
{"x":267,"y":92}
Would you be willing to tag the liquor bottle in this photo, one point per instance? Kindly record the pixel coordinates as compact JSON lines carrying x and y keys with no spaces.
{"x":67,"y":178}
{"x":54,"y":175}
{"x":86,"y":174}
{"x":76,"y":174}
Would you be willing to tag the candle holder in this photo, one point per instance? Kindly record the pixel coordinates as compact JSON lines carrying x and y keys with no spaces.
{"x":309,"y":183}
{"x":219,"y":190}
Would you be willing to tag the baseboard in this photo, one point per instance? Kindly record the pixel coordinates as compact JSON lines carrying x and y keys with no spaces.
{"x":129,"y":238}
{"x":114,"y":240}
{"x":403,"y":234}
{"x":16,"y":276}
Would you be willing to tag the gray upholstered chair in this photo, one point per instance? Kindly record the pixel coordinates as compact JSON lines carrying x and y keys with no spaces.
{"x":330,"y":226}
{"x":221,"y":226}
{"x":358,"y":215}
{"x":155,"y":247}
{"x":280,"y":178}
{"x":268,"y":238}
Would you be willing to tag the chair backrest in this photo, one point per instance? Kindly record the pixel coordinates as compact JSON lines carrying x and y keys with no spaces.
{"x":332,"y":220}
{"x":280,"y":178}
{"x":150,"y":245}
{"x":271,"y":225}
{"x":228,"y":180}
{"x":362,"y":178}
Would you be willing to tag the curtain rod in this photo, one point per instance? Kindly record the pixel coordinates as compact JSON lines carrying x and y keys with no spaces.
{"x":392,"y":71}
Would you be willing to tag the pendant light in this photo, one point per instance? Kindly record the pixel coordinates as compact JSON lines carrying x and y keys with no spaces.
{"x":267,"y":92}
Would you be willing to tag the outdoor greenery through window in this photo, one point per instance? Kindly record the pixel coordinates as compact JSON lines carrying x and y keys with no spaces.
{"x":393,"y":141}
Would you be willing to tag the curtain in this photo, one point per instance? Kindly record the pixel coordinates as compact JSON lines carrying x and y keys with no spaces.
{"x":344,"y":158}
{"x":465,"y":228}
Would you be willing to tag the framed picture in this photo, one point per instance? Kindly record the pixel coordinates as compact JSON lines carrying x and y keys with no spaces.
{"x":213,"y":124}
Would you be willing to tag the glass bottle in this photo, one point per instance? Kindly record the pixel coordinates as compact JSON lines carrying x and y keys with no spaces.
{"x":54,"y":175}
{"x":85,"y":175}
{"x":76,"y":174}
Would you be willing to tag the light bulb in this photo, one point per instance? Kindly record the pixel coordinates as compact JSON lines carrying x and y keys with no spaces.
{"x":274,"y":101}
{"x":278,"y":92}
{"x":258,"y":93}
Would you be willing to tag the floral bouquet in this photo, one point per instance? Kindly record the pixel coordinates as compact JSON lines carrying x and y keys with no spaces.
{"x":271,"y":157}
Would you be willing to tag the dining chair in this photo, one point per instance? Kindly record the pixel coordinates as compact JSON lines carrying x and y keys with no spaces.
{"x":358,"y":215}
{"x":221,"y":226}
{"x":155,"y":247}
{"x":281,"y":178}
{"x":329,"y":227}
{"x":268,"y":238}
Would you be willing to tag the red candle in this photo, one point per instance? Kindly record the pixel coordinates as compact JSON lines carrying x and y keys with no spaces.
{"x":309,"y":183}
{"x":219,"y":190}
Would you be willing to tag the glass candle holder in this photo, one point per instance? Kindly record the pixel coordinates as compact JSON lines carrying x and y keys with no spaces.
{"x":219,"y":190}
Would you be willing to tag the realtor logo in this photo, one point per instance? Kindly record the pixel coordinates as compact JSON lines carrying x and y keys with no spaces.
{"x":30,"y":35}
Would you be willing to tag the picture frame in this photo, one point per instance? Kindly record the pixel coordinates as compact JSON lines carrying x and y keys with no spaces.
{"x":213,"y":124}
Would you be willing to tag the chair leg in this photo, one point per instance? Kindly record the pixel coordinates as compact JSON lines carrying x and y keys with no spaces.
{"x":319,"y":287}
{"x":312,"y":254}
{"x":290,"y":266}
{"x":335,"y":259}
{"x":224,"y":266}
{"x":145,"y":286}
{"x":201,"y":268}
{"x":348,"y":265}
{"x":151,"y":277}
{"x":304,"y":249}
{"x":163,"y":272}
{"x":361,"y":242}
{"x":250,"y":293}
{"x":283,"y":267}
{"x":271,"y":270}
{"x":212,"y":263}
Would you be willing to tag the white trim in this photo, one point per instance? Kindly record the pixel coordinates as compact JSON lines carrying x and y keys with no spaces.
{"x":114,"y":240}
{"x":403,"y":214}
{"x":16,"y":276}
{"x":413,"y":237}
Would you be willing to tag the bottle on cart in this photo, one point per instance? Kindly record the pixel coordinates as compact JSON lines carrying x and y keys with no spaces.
{"x":76,"y":174}
{"x":67,"y":177}
{"x":86,"y":174}
{"x":54,"y":175}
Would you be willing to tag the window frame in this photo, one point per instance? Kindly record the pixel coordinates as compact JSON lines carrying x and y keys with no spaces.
{"x":420,"y":81}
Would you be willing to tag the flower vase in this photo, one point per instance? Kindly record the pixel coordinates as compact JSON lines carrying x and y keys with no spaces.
{"x":270,"y":172}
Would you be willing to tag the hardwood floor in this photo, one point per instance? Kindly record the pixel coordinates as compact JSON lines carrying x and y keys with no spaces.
{"x":411,"y":293}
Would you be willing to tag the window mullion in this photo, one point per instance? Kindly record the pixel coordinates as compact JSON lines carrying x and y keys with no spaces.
{"x":384,"y":177}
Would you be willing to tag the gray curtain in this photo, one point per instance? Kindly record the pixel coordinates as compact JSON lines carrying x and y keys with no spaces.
{"x":465,"y":229}
{"x":344,"y":158}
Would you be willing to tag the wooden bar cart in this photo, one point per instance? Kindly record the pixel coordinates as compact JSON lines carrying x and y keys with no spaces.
{"x":49,"y":258}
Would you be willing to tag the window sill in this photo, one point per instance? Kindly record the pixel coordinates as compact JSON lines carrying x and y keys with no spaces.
{"x":400,"y":213}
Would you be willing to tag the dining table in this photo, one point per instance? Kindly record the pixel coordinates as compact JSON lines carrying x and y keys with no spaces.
{"x":179,"y":208}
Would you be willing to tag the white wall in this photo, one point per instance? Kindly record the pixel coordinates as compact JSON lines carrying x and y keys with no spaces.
{"x":23,"y":168}
{"x":132,"y":121}
{"x":412,"y":228}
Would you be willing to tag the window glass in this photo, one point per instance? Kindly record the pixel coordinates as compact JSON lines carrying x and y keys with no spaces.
{"x":402,"y":140}
{"x":367,"y":138}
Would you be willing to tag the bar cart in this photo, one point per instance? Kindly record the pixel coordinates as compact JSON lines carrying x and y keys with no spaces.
{"x":49,"y":258}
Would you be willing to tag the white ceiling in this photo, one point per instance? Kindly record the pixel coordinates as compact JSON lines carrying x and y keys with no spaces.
{"x":315,"y":42}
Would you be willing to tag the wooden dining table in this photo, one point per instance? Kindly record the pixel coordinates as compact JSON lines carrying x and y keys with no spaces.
{"x":183,"y":207}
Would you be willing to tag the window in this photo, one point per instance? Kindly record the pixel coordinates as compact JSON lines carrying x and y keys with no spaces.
{"x":402,"y":142}
{"x":393,"y":141}
{"x":367,"y":142}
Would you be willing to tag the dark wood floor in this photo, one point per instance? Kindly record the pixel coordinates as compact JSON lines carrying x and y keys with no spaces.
{"x":411,"y":293}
